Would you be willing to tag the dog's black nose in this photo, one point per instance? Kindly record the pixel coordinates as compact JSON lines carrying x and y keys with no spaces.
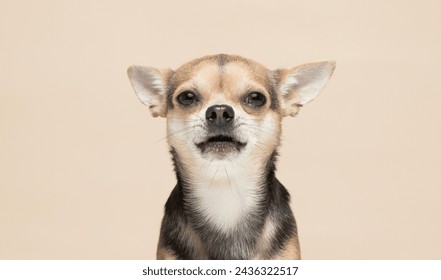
{"x":219,"y":115}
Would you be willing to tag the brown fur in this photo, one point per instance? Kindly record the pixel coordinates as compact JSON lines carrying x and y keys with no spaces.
{"x":227,"y":81}
{"x":291,"y":250}
{"x":164,"y":254}
{"x":233,"y":81}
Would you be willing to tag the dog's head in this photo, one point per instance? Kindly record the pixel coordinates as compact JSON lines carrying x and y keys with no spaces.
{"x":222,"y":107}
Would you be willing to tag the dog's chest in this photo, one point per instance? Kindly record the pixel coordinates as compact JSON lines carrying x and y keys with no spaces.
{"x":226,"y":193}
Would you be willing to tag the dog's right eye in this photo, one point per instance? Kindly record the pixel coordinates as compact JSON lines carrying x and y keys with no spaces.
{"x":187,"y":98}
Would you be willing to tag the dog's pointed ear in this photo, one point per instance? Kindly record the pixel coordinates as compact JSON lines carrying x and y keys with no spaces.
{"x":150,"y":85}
{"x":302,"y":84}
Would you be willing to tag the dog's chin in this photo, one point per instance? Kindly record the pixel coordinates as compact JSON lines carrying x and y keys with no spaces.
{"x":220,"y":146}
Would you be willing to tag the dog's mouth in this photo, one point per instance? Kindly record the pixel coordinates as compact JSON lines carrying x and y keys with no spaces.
{"x":220,"y":145}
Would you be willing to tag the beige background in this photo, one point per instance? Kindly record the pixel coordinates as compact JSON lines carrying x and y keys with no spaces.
{"x":85,"y":174}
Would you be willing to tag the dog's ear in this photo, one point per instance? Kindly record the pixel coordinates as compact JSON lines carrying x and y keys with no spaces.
{"x":150,"y":85}
{"x":302,"y":84}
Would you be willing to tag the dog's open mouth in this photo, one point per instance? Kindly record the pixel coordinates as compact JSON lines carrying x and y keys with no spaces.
{"x":220,"y":144}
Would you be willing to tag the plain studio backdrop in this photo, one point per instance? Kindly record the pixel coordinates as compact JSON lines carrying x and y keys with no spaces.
{"x":85,"y":171}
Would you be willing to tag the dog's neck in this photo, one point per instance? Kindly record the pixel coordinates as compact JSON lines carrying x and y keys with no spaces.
{"x":224,"y":192}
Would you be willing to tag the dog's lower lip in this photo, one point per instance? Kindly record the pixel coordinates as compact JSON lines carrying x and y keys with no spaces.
{"x":224,"y":142}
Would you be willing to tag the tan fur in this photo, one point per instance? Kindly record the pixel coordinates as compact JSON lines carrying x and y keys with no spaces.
{"x":215,"y":82}
{"x":233,"y":82}
{"x":263,"y":244}
{"x":195,"y":242}
{"x":163,"y":254}
{"x":291,"y":250}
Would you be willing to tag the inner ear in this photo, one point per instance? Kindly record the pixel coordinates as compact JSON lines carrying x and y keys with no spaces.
{"x":150,"y":86}
{"x":302,"y":84}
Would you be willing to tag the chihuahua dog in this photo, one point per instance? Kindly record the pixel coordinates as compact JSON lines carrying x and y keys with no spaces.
{"x":224,"y":116}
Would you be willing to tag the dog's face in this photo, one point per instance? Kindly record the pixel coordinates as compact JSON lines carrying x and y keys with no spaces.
{"x":223,"y":107}
{"x":220,"y":110}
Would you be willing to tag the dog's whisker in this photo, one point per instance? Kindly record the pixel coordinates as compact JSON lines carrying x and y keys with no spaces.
{"x":258,"y":146}
{"x":207,"y":163}
{"x":235,"y":162}
{"x":254,"y":133}
{"x":258,"y":128}
{"x":184,"y":130}
{"x":228,"y":177}
{"x":188,"y":158}
{"x":263,"y":129}
{"x":162,"y":138}
{"x":215,"y":172}
{"x":190,"y":121}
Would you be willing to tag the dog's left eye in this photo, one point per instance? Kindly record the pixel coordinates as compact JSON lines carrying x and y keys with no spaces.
{"x":255,"y":99}
{"x":187,"y":98}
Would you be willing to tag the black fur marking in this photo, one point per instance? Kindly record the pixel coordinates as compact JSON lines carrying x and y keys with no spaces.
{"x":181,"y":214}
{"x":222,"y":59}
{"x":171,"y":88}
{"x":272,"y":84}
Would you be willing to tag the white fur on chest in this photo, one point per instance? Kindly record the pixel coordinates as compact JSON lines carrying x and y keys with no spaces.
{"x":225,"y":191}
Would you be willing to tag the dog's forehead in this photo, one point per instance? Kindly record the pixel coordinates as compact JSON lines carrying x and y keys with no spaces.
{"x":222,"y":72}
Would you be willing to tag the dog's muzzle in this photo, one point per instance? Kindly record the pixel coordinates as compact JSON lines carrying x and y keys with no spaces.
{"x":220,"y":141}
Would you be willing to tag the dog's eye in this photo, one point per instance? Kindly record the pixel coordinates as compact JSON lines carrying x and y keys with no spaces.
{"x":255,"y":99}
{"x":187,"y":98}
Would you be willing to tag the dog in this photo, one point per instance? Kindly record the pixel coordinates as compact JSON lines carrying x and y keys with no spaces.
{"x":224,"y":116}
